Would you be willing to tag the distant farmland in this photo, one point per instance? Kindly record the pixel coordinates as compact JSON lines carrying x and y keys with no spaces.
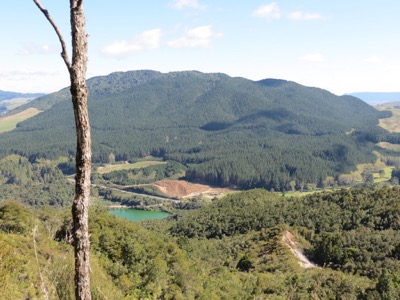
{"x":9,"y":123}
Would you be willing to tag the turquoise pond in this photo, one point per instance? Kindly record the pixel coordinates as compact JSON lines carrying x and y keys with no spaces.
{"x":139,"y":215}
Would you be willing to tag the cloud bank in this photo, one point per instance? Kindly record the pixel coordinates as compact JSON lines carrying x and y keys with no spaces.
{"x":149,"y":39}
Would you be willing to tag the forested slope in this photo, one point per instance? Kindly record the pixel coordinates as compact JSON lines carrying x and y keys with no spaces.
{"x":227,"y":131}
{"x":231,"y":249}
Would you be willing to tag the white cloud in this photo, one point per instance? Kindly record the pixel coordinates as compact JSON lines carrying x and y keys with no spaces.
{"x":374,"y":59}
{"x":28,"y":80}
{"x":269,"y":11}
{"x":149,"y":39}
{"x":33,"y":49}
{"x":182,"y":4}
{"x":301,"y":16}
{"x":314,"y":57}
{"x":23,"y":74}
{"x":199,"y":37}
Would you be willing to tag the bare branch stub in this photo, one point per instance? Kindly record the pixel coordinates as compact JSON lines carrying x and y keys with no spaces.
{"x":64,"y":53}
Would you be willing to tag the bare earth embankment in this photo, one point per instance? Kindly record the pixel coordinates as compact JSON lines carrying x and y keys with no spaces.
{"x":289,"y":241}
{"x":184,"y":189}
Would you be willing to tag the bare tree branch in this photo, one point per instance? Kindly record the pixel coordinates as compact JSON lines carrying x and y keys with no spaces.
{"x":64,"y":52}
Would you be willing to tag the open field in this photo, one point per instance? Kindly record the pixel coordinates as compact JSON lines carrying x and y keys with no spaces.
{"x":391,"y":124}
{"x":9,"y":123}
{"x":385,"y":176}
{"x":389,"y":146}
{"x":127,"y":166}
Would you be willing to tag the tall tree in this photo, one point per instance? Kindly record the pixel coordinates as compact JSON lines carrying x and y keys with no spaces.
{"x":80,"y":207}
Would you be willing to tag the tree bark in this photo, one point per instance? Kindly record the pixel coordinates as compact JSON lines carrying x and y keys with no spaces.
{"x":79,"y":92}
{"x":80,"y":206}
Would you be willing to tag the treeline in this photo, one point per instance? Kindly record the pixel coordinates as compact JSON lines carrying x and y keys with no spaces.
{"x":226,"y":131}
{"x":355,"y":231}
{"x":38,"y":183}
{"x":169,"y":170}
{"x":131,"y":262}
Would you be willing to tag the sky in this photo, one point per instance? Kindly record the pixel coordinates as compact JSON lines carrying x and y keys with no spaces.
{"x":342,"y":46}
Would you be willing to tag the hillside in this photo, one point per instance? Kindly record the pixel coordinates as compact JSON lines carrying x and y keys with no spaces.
{"x":240,"y":247}
{"x":226,"y":131}
{"x":4,"y":95}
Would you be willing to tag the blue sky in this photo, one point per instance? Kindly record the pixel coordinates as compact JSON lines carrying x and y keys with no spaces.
{"x":342,"y":46}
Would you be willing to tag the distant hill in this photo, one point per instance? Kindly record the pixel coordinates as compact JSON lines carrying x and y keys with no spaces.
{"x":395,"y":104}
{"x":377,"y":97}
{"x":227,"y":131}
{"x":4,"y":95}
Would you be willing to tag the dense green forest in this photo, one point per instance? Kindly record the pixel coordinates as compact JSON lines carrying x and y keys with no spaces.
{"x":231,"y":249}
{"x":226,"y":131}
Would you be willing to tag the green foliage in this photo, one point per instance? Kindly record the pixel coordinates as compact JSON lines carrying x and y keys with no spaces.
{"x":170,"y":170}
{"x":227,"y":131}
{"x":328,"y":249}
{"x":38,"y":183}
{"x":235,"y":214}
{"x":244,"y":264}
{"x":352,"y":230}
{"x":15,"y":219}
{"x":127,"y":199}
{"x":246,"y":261}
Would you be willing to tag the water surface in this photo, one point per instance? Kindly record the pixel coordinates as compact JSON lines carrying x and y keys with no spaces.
{"x":139,"y":215}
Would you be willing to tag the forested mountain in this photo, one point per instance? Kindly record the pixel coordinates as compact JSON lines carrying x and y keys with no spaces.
{"x":227,"y":131}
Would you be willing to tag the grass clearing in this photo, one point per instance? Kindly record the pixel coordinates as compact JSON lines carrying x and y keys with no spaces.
{"x":385,"y":176}
{"x":391,"y":124}
{"x":389,"y":146}
{"x":126,"y":166}
{"x":9,"y":123}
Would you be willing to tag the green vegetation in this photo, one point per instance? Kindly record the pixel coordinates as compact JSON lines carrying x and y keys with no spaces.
{"x":391,"y":124}
{"x":230,"y":249}
{"x":145,"y":172}
{"x":9,"y":123}
{"x":226,"y":131}
{"x":39,"y":183}
{"x":354,"y":231}
{"x":126,"y":166}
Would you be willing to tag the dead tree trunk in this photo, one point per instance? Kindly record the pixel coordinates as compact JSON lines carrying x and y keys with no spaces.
{"x":80,"y":207}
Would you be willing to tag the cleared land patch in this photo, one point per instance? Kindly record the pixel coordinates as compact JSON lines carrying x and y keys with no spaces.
{"x":184,"y":189}
{"x":391,"y":124}
{"x":389,"y":146}
{"x":127,"y":166}
{"x":9,"y":123}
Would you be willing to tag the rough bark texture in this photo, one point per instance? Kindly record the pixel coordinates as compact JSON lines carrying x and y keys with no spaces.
{"x":80,"y":207}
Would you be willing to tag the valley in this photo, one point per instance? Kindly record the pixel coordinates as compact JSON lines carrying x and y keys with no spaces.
{"x":272,"y":190}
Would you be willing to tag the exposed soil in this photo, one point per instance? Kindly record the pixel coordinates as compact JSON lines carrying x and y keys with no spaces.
{"x":184,"y":189}
{"x":289,"y":240}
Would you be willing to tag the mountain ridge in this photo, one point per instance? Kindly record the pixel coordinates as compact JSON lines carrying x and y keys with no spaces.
{"x":7,"y":95}
{"x":226,"y":130}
